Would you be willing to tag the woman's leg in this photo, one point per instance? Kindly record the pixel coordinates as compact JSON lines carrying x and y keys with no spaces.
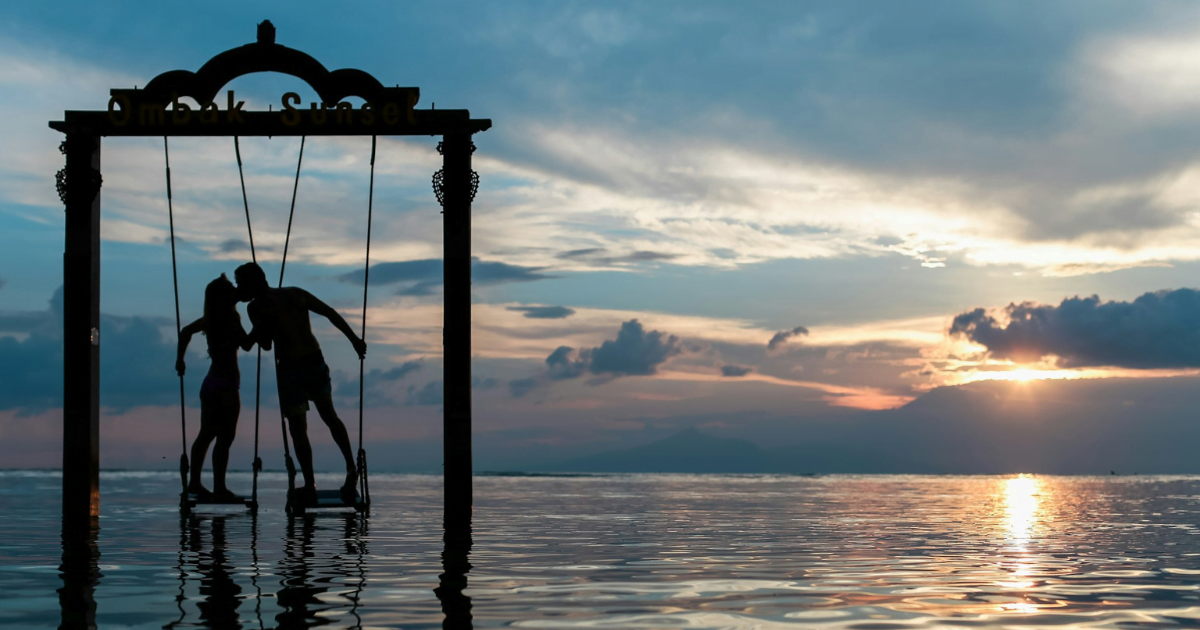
{"x":200,"y":446}
{"x":226,"y":429}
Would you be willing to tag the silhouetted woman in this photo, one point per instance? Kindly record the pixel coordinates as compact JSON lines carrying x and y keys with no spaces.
{"x":220,"y":400}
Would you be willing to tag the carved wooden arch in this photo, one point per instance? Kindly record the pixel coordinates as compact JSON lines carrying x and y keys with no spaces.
{"x":265,"y":55}
{"x":155,"y":111}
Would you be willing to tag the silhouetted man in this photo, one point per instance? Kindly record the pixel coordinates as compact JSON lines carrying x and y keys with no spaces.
{"x":280,"y":318}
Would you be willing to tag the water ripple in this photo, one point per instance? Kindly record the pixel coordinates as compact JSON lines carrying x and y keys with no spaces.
{"x":621,"y":551}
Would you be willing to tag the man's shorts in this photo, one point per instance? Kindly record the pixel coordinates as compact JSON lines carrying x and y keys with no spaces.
{"x":301,"y":380}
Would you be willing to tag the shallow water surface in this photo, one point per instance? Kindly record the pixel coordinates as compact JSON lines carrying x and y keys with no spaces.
{"x":622,"y":551}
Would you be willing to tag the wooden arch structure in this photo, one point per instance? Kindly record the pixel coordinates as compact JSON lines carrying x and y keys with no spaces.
{"x":156,"y":110}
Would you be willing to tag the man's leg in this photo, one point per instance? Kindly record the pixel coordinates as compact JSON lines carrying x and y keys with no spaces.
{"x":298,"y":424}
{"x":340,"y":437}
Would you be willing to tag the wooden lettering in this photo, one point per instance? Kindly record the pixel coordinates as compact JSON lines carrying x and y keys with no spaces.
{"x":234,"y":112}
{"x":151,"y":114}
{"x":290,"y":116}
{"x":391,"y":114}
{"x":318,"y":114}
{"x":181,"y":114}
{"x":209,"y":113}
{"x":120,"y":117}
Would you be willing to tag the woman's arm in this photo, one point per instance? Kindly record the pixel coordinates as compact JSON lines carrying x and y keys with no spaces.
{"x":185,"y":337}
{"x":245,"y":341}
{"x":259,"y":330}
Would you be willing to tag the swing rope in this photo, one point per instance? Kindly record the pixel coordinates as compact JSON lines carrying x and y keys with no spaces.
{"x":183,"y":458}
{"x":287,"y":239}
{"x":364,"y":489}
{"x":256,"y":466}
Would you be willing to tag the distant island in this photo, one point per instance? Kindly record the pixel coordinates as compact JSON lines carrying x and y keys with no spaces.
{"x":693,"y":451}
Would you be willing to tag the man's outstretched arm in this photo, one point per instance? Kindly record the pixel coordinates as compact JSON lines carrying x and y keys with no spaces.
{"x":335,"y":318}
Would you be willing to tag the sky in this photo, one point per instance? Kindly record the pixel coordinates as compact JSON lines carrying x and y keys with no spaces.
{"x":761,"y":220}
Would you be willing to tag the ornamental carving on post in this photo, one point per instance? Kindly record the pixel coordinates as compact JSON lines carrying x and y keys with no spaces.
{"x":61,"y":182}
{"x":440,"y":176}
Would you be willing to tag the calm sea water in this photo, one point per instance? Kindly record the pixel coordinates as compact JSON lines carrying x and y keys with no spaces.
{"x":625,"y":551}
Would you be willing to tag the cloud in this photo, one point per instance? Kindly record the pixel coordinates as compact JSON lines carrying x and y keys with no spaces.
{"x":561,"y":365}
{"x":423,"y":277}
{"x":521,"y":386}
{"x":1156,"y":330}
{"x":543,"y":312}
{"x":420,"y":289}
{"x":783,"y":336}
{"x":595,"y":256}
{"x":580,"y":253}
{"x":136,"y":364}
{"x":376,"y":377}
{"x":735,"y":370}
{"x":237,"y":245}
{"x":486,"y":272}
{"x":633,"y":352}
{"x":430,"y":394}
{"x":25,"y":322}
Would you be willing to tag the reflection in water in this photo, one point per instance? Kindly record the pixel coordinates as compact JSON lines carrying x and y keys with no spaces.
{"x":1021,"y":506}
{"x":1021,"y":513}
{"x":80,"y":574}
{"x":631,"y":551}
{"x":219,"y":593}
{"x":456,"y":563}
{"x":319,"y":587}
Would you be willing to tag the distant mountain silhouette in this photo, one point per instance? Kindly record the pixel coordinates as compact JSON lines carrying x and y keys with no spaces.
{"x":1054,"y":427}
{"x":688,"y":451}
{"x":693,"y":451}
{"x":827,"y":458}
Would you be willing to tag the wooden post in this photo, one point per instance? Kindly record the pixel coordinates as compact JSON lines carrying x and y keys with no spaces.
{"x":456,"y":332}
{"x":81,"y":334}
{"x":456,"y":564}
{"x":80,"y":572}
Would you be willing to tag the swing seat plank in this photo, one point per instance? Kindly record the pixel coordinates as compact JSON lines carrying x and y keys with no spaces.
{"x":190,"y":500}
{"x":324,"y":499}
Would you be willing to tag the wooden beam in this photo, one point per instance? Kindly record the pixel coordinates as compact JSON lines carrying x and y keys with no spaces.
{"x":163,"y":123}
{"x":81,"y":334}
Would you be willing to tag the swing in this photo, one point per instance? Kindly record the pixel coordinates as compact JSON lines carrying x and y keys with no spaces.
{"x":295,"y":505}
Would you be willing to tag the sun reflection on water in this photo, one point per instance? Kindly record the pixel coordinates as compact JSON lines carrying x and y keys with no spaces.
{"x":1021,"y":506}
{"x":1021,"y":513}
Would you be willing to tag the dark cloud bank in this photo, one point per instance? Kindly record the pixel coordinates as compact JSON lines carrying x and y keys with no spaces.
{"x":1156,"y":330}
{"x":424,"y":277}
{"x":136,"y":364}
{"x":544,"y":312}
{"x":635,"y":352}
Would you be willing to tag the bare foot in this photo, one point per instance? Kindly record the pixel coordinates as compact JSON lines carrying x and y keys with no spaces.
{"x":199,"y":490}
{"x":225,"y":495}
{"x":305,"y":494}
{"x":349,"y":489}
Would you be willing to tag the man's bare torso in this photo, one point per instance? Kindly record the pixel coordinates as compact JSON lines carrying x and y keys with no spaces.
{"x":281,"y":315}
